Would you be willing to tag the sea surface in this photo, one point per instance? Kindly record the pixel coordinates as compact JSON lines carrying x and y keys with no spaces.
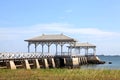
{"x":115,"y":63}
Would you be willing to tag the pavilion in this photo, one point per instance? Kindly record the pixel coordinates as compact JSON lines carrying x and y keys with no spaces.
{"x":59,"y":39}
{"x":85,"y":46}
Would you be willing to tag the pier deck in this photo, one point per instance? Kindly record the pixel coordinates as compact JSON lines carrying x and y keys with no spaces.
{"x":35,"y":60}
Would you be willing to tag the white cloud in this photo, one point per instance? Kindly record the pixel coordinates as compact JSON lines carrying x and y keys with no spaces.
{"x":71,"y":29}
{"x":15,"y":32}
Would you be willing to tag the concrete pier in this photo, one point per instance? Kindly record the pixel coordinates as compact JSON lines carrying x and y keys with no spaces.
{"x":36,"y":64}
{"x":75,"y":62}
{"x":11,"y":64}
{"x":48,"y":62}
{"x":26,"y":64}
{"x":53,"y":62}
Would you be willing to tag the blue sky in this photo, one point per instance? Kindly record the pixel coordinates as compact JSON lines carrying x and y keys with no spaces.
{"x":94,"y":21}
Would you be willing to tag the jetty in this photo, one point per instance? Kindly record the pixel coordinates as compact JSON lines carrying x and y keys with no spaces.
{"x":43,"y":57}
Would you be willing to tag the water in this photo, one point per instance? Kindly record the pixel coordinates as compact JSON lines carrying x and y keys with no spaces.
{"x":114,"y":59}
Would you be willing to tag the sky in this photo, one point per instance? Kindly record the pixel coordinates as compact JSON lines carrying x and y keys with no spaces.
{"x":93,"y":21}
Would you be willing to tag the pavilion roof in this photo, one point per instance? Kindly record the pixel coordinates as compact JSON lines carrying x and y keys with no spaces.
{"x":83,"y":45}
{"x":55,"y":37}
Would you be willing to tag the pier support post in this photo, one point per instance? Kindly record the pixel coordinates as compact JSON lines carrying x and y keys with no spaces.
{"x":86,"y":60}
{"x":26,"y":63}
{"x":36,"y":64}
{"x":75,"y":62}
{"x":82,"y":61}
{"x":65,"y":61}
{"x":79,"y":60}
{"x":53,"y":62}
{"x":46,"y":63}
{"x":11,"y":65}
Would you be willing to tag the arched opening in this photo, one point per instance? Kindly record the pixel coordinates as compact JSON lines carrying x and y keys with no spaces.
{"x":39,"y":48}
{"x":32,"y":48}
{"x":82,"y":51}
{"x":90,"y":51}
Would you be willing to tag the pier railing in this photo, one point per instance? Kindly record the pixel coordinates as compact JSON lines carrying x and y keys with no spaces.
{"x":19,"y":55}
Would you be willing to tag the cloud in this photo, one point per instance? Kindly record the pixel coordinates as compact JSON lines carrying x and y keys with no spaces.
{"x":71,"y":29}
{"x":15,"y":36}
{"x":18,"y":32}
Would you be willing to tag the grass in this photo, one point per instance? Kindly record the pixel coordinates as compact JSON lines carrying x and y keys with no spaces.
{"x":59,"y":74}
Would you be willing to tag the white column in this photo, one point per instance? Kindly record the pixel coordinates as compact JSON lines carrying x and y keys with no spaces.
{"x":86,"y":51}
{"x":61,"y":49}
{"x":68,"y":51}
{"x":28,"y":47}
{"x":35,"y":47}
{"x":42,"y":48}
{"x":56,"y":49}
{"x":48,"y":47}
{"x":94,"y":51}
